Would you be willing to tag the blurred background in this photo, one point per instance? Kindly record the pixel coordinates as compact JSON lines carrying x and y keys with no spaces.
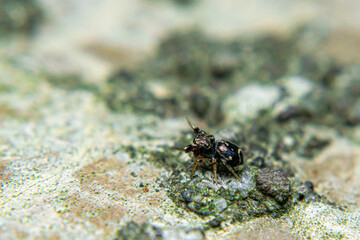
{"x":185,"y":57}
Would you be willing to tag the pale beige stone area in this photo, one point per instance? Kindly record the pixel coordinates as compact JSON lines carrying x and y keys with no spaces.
{"x":62,"y":174}
{"x":324,"y":222}
{"x":261,"y":228}
{"x":335,"y":172}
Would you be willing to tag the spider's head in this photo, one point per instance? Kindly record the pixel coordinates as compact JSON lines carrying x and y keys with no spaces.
{"x":201,"y":138}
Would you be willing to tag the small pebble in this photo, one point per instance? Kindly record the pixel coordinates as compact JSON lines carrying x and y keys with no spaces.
{"x":214,"y":223}
{"x":220,"y":204}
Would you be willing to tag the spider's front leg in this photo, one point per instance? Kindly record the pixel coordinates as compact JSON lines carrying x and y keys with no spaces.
{"x":188,"y":149}
{"x":197,"y":161}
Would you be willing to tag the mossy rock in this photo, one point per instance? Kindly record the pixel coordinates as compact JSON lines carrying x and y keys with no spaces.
{"x":230,"y":198}
{"x":148,"y":231}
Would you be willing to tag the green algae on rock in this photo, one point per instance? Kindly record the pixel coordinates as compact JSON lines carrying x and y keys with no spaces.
{"x":133,"y":231}
{"x":230,"y":198}
{"x":70,"y":82}
{"x":147,"y":231}
{"x":265,"y":187}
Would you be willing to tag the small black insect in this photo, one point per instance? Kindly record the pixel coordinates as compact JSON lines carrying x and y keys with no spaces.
{"x":206,"y":148}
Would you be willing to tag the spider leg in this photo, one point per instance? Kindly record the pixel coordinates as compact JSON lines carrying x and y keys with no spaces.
{"x":214,"y":163}
{"x":193,"y":170}
{"x":197,"y":161}
{"x":215,"y":171}
{"x":230,"y":169}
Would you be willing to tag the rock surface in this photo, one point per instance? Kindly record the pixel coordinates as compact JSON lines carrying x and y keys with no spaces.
{"x":274,"y":183}
{"x":325,"y":222}
{"x":88,"y":119}
{"x":71,"y":163}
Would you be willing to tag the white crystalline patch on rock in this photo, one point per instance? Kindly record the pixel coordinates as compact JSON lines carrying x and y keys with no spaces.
{"x":298,"y":86}
{"x":245,"y":186}
{"x":184,"y":233}
{"x":208,"y":184}
{"x":249,"y":101}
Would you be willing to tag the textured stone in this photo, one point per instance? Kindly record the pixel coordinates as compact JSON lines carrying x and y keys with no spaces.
{"x":273,"y":183}
{"x":66,"y":160}
{"x":325,"y":222}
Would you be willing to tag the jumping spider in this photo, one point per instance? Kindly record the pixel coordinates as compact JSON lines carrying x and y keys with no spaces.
{"x":206,"y":148}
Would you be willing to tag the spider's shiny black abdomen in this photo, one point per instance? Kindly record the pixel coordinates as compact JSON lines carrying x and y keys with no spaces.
{"x":230,"y":152}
